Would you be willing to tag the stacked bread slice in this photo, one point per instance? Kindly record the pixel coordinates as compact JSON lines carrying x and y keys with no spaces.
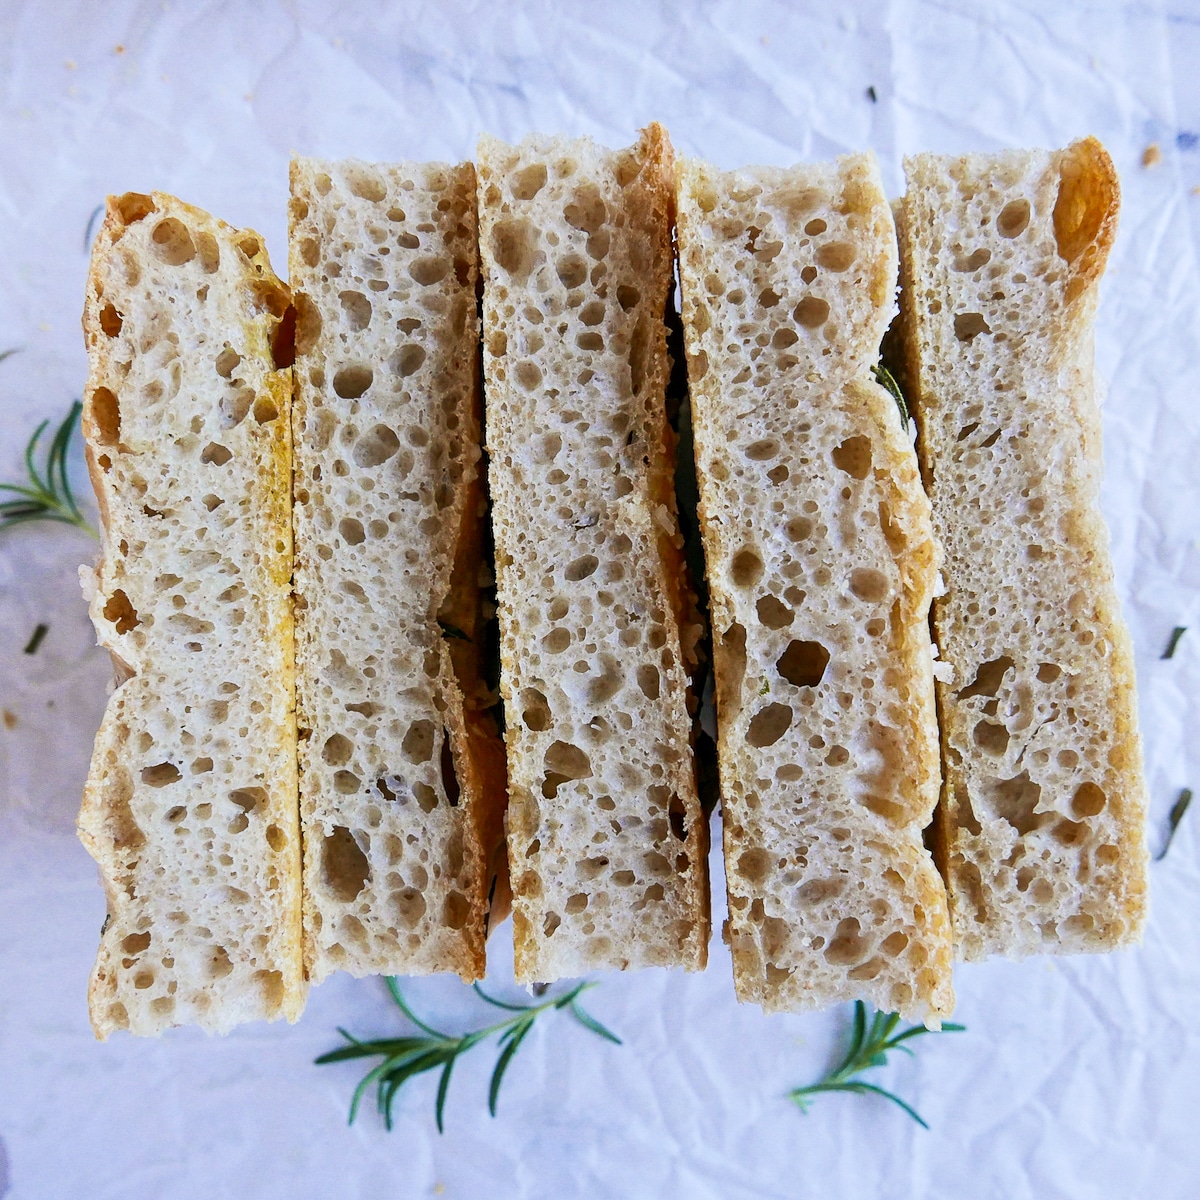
{"x":607,"y":843}
{"x":821,"y":565}
{"x":190,"y":804}
{"x":1041,"y":827}
{"x":401,"y":769}
{"x":366,"y":730}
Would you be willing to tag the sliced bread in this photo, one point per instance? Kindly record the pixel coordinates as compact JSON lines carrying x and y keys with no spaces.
{"x":821,"y":565}
{"x":190,"y":804}
{"x":607,"y":841}
{"x":1041,"y":826}
{"x":402,"y":772}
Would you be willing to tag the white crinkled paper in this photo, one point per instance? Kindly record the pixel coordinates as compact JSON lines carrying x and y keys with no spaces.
{"x":1076,"y":1077}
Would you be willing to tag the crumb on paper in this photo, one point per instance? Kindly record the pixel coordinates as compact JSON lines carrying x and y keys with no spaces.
{"x":1152,"y":155}
{"x":10,"y":719}
{"x":70,"y":64}
{"x":439,"y":1189}
{"x":1196,"y":190}
{"x":119,"y":48}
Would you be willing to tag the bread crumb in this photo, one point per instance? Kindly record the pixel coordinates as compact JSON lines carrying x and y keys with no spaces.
{"x":118,"y":49}
{"x":1152,"y":155}
{"x":10,"y":719}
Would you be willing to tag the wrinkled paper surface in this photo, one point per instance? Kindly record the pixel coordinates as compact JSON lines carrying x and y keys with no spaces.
{"x":1076,"y":1077}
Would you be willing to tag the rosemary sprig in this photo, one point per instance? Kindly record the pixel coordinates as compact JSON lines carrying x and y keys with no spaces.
{"x":47,"y":496}
{"x":39,"y":632}
{"x":1176,"y":634}
{"x":868,"y":1048}
{"x":1173,"y":818}
{"x":887,"y":380}
{"x":406,"y":1057}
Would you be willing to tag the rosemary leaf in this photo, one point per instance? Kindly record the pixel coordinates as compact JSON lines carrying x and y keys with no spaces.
{"x":404,"y":1058}
{"x":452,"y":632}
{"x":39,"y":632}
{"x":9,"y":352}
{"x":869,"y":1047}
{"x":91,"y":225}
{"x":1176,"y":634}
{"x":1173,"y":818}
{"x":887,"y":380}
{"x":47,"y":496}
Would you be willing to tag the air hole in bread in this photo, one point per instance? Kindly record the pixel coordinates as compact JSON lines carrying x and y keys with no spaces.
{"x":1013,"y":219}
{"x":648,"y":680}
{"x":605,"y":685}
{"x":853,"y":456}
{"x":375,"y":446}
{"x":969,"y":325}
{"x":216,"y":454}
{"x":812,"y":312}
{"x":572,"y":270}
{"x":161,"y":774}
{"x":450,"y":784}
{"x":528,"y":375}
{"x":110,"y":320}
{"x":1015,"y":801}
{"x":357,"y":308}
{"x":972,"y":262}
{"x":456,"y":908}
{"x":428,"y":271}
{"x":235,"y":404}
{"x":848,"y":945}
{"x":990,"y":737}
{"x":418,"y":742}
{"x":557,"y":640}
{"x":798,"y":529}
{"x":364,"y":183}
{"x":746,"y":569}
{"x":564,"y":763}
{"x":1048,"y":672}
{"x":308,"y":323}
{"x":836,"y":256}
{"x":773,"y":613}
{"x":535,"y":710}
{"x":768,"y":725}
{"x":528,"y":181}
{"x":815,"y":227}
{"x":346,"y":783}
{"x":265,"y":410}
{"x":581,"y":568}
{"x":352,"y":381}
{"x":227,"y":362}
{"x":120,"y":612}
{"x":595,"y":342}
{"x":338,"y":750}
{"x":762,"y":451}
{"x":344,"y":866}
{"x":133,"y":207}
{"x":172,"y":242}
{"x":869,"y":585}
{"x":106,"y":414}
{"x":1089,"y":801}
{"x":989,"y":677}
{"x":551,"y":923}
{"x":803,"y":663}
{"x":514,"y":243}
{"x":586,"y":211}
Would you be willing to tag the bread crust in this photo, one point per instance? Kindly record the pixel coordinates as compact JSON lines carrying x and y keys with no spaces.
{"x":195,"y":832}
{"x":821,"y":565}
{"x":402,"y":771}
{"x":606,"y":837}
{"x":1041,"y":822}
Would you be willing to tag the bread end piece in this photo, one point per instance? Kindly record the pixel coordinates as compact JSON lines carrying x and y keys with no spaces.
{"x":193,"y":826}
{"x":1041,"y":828}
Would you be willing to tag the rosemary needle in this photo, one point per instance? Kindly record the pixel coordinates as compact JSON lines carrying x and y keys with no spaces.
{"x":411,"y":1055}
{"x":869,"y":1047}
{"x":887,"y":380}
{"x":1176,"y":634}
{"x":47,"y":496}
{"x":1174,"y":817}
